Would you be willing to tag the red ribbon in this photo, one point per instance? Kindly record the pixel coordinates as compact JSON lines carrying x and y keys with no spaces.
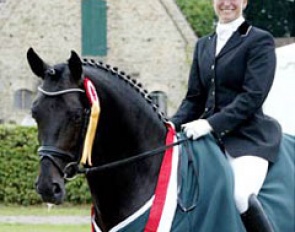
{"x":162,"y":186}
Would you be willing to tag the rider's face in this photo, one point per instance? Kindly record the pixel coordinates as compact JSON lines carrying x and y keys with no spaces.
{"x":229,"y":10}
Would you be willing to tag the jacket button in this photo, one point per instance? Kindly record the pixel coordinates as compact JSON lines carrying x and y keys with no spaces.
{"x":206,"y":109}
{"x":212,"y":80}
{"x":212,"y":66}
{"x":222,"y":133}
{"x":213,"y":93}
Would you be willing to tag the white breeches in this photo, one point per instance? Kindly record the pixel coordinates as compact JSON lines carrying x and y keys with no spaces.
{"x":249,"y":175}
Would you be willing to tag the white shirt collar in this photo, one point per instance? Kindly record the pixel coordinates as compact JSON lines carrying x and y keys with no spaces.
{"x":226,"y":29}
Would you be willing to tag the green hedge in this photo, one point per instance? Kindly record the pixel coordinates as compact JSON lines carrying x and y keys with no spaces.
{"x":19,"y":164}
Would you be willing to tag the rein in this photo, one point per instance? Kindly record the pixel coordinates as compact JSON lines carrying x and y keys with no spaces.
{"x":131,"y":159}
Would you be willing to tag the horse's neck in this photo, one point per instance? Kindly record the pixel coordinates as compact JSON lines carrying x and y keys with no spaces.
{"x":125,"y":131}
{"x":121,"y":191}
{"x":118,"y":197}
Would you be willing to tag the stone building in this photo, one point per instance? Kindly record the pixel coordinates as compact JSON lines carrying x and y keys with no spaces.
{"x":150,"y":40}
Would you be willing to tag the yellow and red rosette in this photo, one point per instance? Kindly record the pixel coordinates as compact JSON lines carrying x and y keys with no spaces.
{"x":93,"y":121}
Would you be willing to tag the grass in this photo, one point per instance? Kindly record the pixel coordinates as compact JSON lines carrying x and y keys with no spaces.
{"x":42,"y":210}
{"x":6,"y":227}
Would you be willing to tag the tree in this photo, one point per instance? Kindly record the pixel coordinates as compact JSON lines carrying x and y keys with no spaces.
{"x":200,"y":15}
{"x":278,"y":17}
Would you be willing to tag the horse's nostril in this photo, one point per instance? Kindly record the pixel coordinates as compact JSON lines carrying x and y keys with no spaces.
{"x":56,"y":188}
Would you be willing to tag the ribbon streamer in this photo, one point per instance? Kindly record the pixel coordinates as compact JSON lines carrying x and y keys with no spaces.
{"x":93,"y":121}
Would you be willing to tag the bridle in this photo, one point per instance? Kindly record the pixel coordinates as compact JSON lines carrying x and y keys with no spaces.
{"x":52,"y":152}
{"x":73,"y":167}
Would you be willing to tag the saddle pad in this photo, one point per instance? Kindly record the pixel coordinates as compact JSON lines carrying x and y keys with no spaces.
{"x":205,"y":200}
{"x":205,"y":195}
{"x":278,"y":192}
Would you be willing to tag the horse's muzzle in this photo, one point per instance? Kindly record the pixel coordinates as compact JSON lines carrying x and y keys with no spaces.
{"x":51,"y":192}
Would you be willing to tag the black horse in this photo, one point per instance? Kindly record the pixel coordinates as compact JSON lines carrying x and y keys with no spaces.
{"x":129,"y":124}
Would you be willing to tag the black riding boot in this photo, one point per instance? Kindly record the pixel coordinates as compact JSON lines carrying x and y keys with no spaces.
{"x":255,"y":219}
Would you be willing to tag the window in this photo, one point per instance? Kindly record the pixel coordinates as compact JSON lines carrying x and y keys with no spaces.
{"x":94,"y":28}
{"x":23,"y":99}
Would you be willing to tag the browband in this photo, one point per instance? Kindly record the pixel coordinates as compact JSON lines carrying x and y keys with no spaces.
{"x":59,"y":92}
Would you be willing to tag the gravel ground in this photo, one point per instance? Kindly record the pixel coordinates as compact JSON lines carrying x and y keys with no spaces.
{"x":46,"y":219}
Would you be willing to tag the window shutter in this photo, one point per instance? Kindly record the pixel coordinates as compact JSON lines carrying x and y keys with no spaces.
{"x":94,"y":28}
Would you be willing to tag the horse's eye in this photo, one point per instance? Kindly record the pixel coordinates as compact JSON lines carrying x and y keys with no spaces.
{"x":76,"y":117}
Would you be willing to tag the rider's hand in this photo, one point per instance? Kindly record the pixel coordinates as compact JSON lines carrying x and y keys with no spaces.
{"x":196,"y":129}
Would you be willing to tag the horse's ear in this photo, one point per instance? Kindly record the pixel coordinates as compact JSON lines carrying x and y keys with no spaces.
{"x":36,"y":63}
{"x":75,"y":66}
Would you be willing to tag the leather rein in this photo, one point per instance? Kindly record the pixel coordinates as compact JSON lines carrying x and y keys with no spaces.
{"x":73,"y":167}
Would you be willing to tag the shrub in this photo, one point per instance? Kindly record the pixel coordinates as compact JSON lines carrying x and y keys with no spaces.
{"x":19,"y":164}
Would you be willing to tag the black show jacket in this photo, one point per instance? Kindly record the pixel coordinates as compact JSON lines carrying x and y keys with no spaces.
{"x":229,"y":90}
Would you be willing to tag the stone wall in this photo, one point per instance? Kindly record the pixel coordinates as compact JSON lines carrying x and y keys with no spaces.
{"x":150,"y":40}
{"x":51,"y":27}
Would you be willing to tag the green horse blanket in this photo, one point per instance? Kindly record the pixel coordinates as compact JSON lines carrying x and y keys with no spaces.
{"x":205,"y":191}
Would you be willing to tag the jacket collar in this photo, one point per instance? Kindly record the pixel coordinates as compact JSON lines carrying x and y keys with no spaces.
{"x":244,"y":29}
{"x":234,"y":40}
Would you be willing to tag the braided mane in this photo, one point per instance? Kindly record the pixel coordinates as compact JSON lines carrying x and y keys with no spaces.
{"x":127,"y":79}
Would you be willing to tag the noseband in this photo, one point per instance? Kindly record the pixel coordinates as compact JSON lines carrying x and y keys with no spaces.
{"x":52,"y":153}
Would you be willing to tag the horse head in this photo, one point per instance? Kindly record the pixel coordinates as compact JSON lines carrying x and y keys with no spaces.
{"x":129,"y":124}
{"x":59,"y":116}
